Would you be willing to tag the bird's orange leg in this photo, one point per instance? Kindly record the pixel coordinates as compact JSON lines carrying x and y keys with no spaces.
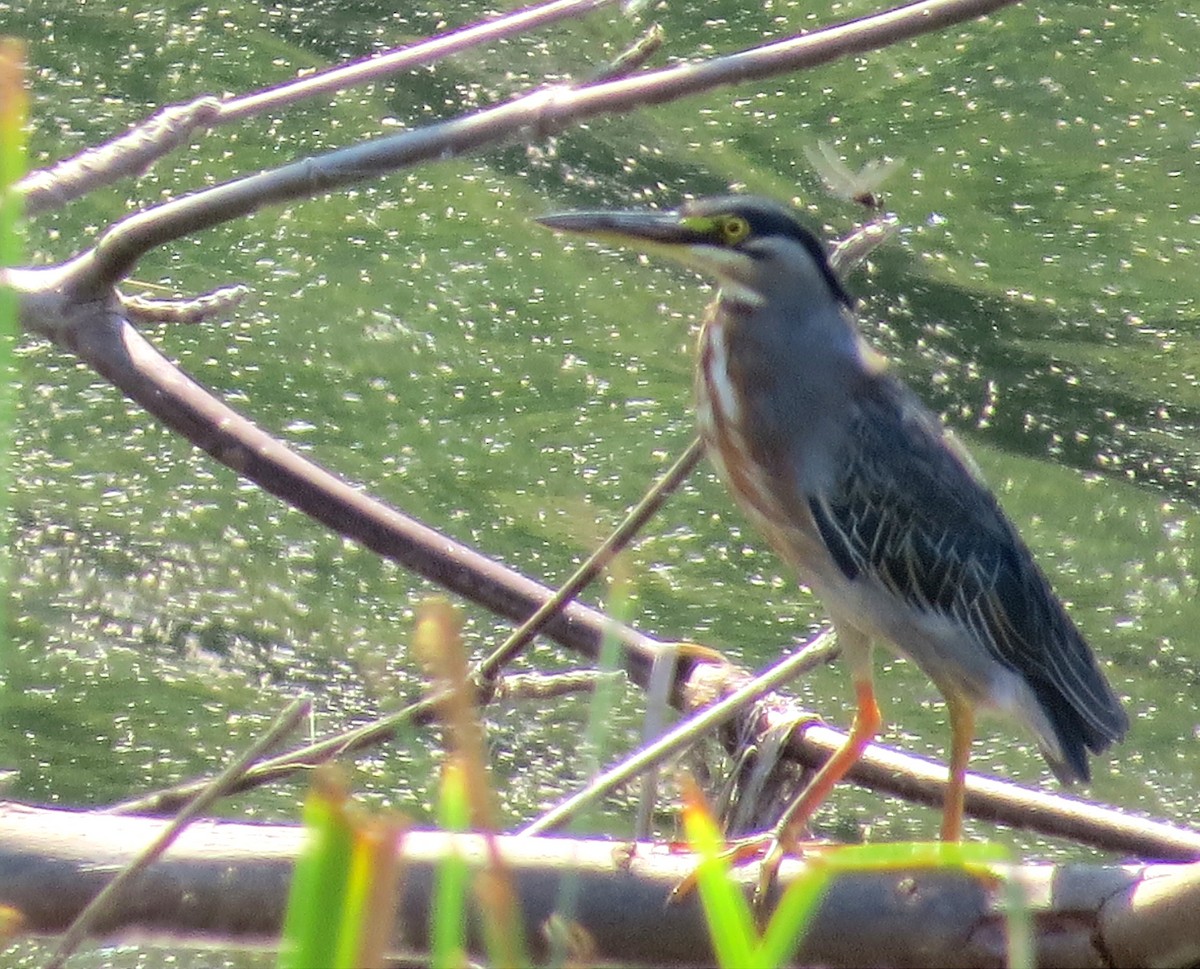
{"x":862,"y":730}
{"x":962,"y":732}
{"x":787,"y":832}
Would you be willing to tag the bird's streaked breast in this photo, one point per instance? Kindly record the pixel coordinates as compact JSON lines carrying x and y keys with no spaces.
{"x":718,"y":410}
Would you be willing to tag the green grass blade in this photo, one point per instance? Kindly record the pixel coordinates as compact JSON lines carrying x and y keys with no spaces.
{"x":447,"y":914}
{"x":726,"y":911}
{"x":310,"y":935}
{"x":372,"y":855}
{"x":13,"y":107}
{"x":790,"y":920}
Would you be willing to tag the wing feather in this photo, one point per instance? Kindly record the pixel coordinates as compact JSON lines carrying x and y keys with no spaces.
{"x":909,"y":511}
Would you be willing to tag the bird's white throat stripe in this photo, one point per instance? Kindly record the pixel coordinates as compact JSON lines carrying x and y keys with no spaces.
{"x":717,"y":410}
{"x":733,"y":290}
{"x":716,"y":401}
{"x":715,"y":363}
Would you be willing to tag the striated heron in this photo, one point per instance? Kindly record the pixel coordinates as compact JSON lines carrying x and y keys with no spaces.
{"x":856,"y":485}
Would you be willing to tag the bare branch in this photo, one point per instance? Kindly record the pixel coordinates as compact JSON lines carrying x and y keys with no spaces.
{"x":594,"y":565}
{"x":145,"y":311}
{"x":813,"y":654}
{"x":530,"y":117}
{"x":129,"y":154}
{"x":549,"y":686}
{"x":125,"y":358}
{"x":135,"y":151}
{"x":379,"y":66}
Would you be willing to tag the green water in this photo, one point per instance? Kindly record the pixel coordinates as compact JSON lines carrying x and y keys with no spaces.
{"x":423,"y":338}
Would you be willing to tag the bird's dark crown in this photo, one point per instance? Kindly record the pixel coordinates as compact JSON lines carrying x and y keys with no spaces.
{"x":738,"y":221}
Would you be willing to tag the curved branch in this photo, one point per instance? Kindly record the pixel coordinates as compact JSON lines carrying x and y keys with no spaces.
{"x":126,"y":359}
{"x":129,"y":154}
{"x":536,"y":115}
{"x":135,"y":151}
{"x":97,"y":334}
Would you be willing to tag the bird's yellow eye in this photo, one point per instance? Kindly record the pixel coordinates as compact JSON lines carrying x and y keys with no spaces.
{"x":734,"y":229}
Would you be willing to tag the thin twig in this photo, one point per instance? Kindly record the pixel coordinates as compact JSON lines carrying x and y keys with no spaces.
{"x":127,"y":155}
{"x":284,"y":765}
{"x":78,"y":930}
{"x":550,"y":686}
{"x":630,"y":60}
{"x":379,"y":66}
{"x":150,"y":311}
{"x":812,"y":654}
{"x":593,"y":565}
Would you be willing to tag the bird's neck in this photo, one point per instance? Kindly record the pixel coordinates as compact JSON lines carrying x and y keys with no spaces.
{"x":720,"y":414}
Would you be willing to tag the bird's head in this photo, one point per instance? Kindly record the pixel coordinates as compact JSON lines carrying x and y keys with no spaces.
{"x":756,"y":248}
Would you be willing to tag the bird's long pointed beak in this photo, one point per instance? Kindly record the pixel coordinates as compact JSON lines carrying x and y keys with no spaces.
{"x":680,"y":238}
{"x":636,"y":228}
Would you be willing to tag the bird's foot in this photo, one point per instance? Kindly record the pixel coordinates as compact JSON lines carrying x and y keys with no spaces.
{"x":768,"y":846}
{"x":777,"y":845}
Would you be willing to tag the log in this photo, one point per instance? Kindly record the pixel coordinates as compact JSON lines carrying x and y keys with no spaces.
{"x":226,"y":882}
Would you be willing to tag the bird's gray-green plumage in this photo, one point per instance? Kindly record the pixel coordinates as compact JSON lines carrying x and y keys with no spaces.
{"x":908,"y":514}
{"x":857,"y":485}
